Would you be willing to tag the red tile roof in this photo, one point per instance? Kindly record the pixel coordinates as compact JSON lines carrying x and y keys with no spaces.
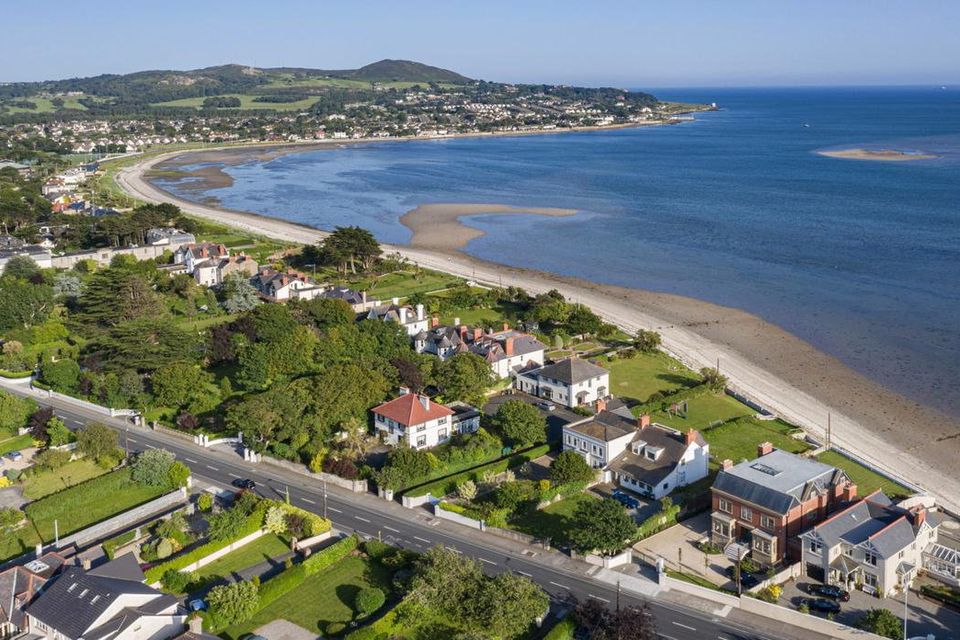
{"x":409,"y":410}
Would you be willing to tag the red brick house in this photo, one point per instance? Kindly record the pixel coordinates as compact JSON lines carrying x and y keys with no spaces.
{"x":765,"y":504}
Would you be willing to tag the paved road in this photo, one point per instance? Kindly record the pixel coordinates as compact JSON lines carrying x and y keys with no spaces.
{"x":369,"y":516}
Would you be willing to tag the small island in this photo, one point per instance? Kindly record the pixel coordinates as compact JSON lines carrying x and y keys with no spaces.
{"x":883,"y":155}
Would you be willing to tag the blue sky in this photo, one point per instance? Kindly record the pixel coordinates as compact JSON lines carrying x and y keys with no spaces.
{"x":634,"y":44}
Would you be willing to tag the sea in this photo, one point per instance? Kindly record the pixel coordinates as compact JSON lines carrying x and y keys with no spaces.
{"x":859,"y":258}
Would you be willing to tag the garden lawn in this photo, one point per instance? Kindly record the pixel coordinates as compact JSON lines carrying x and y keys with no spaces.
{"x":23,"y":540}
{"x":264,"y":548}
{"x":703,"y":411}
{"x":867,"y":480}
{"x":639,"y":377}
{"x":482,"y":317}
{"x":321,"y":599}
{"x":16,"y":443}
{"x":738,"y":440}
{"x":400,"y":284}
{"x":88,"y":503}
{"x":551,"y":523}
{"x":43,"y":483}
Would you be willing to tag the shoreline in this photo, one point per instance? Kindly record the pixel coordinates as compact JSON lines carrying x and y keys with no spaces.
{"x":762,"y":361}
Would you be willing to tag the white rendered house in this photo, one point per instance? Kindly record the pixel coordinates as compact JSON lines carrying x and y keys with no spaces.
{"x":572,"y":382}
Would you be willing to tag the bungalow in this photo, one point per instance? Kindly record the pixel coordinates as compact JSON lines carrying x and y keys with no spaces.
{"x":761,"y":506}
{"x":412,"y":321}
{"x":872,"y":545}
{"x":572,"y":382}
{"x":506,"y":351}
{"x":415,"y":420}
{"x":109,"y":602}
{"x":645,"y":457}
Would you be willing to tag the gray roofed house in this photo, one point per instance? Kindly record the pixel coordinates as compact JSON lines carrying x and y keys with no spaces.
{"x":19,"y":584}
{"x":107,"y":603}
{"x":572,"y":382}
{"x":356,"y":299}
{"x":873,"y":544}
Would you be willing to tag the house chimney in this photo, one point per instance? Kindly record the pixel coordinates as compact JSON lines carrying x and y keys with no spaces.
{"x":643,"y":420}
{"x":849,"y":493}
{"x":690,"y":437}
{"x":425,"y":401}
{"x":462,"y":330}
{"x":396,"y":301}
{"x":506,"y":327}
{"x":727,"y":464}
{"x":404,"y":391}
{"x":919,"y":517}
{"x":195,"y":624}
{"x":456,"y":322}
{"x":39,"y":550}
{"x":435,"y":322}
{"x":508,"y":346}
{"x":763,"y":449}
{"x":85,"y":563}
{"x":420,"y":315}
{"x":601,"y":405}
{"x":477,"y":333}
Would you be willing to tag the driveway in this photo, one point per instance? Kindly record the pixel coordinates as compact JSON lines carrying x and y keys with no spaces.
{"x":679,"y":543}
{"x":285,"y":630}
{"x":925,"y":616}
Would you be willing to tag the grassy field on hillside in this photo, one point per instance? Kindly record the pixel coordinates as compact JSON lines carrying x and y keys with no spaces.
{"x":246,"y":102}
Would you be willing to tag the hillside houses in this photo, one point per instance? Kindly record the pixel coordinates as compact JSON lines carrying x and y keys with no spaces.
{"x":506,"y":351}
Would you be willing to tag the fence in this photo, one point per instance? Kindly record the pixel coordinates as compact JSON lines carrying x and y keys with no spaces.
{"x":124,"y":520}
{"x":443,"y":514}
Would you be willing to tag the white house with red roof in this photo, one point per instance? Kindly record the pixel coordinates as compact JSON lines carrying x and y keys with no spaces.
{"x":416,"y":420}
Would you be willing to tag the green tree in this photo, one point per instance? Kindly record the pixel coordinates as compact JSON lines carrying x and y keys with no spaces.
{"x":601,"y":525}
{"x":582,"y":320}
{"x":520,"y":423}
{"x":63,"y":375}
{"x":550,"y":307}
{"x":152,"y":467}
{"x":465,"y":377}
{"x":276,"y":520}
{"x":239,"y":295}
{"x":177,"y":475}
{"x":569,"y":466}
{"x":15,"y":411}
{"x":98,"y":441}
{"x":882,"y":622}
{"x":10,"y":519}
{"x":444,"y":580}
{"x":646,"y":341}
{"x":21,"y":267}
{"x":368,"y":601}
{"x":507,"y":605}
{"x":716,"y":381}
{"x":327,"y":312}
{"x":145,"y":344}
{"x":227,"y":524}
{"x":467,"y":490}
{"x":347,"y":246}
{"x":50,"y":459}
{"x":57,"y":432}
{"x":23,"y":304}
{"x":233,"y":603}
{"x":178,"y":384}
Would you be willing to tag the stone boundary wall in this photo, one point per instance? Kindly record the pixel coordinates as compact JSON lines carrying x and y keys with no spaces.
{"x":458,"y":518}
{"x":107,"y":411}
{"x":356,"y":486}
{"x":124,"y":520}
{"x":219,"y":553}
{"x":417,"y":501}
{"x":306,"y":543}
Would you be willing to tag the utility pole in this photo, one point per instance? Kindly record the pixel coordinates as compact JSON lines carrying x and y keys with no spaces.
{"x":906,"y":592}
{"x":618,"y":594}
{"x":829,"y":429}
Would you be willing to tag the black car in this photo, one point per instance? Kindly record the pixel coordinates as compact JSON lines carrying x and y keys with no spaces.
{"x":821,"y":604}
{"x":244,"y":483}
{"x":830,"y":591}
{"x":747,"y":580}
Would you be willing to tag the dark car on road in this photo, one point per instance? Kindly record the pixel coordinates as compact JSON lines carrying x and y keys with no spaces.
{"x":830,"y":591}
{"x":821,"y":604}
{"x":244,"y":483}
{"x":747,"y":580}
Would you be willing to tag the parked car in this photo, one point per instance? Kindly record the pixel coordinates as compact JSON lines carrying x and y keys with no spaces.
{"x":244,"y":483}
{"x":830,"y":591}
{"x":821,"y":604}
{"x":546,"y":406}
{"x":625,"y":499}
{"x":197,"y":605}
{"x":747,"y":580}
{"x":14,"y":456}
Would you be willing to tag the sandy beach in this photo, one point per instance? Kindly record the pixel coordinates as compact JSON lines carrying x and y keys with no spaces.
{"x":440,"y":226}
{"x":880,"y":155}
{"x":762,"y":361}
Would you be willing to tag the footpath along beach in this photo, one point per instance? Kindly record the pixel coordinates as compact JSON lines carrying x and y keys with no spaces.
{"x":762,"y":361}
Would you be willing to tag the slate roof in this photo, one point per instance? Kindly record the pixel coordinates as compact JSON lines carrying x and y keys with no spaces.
{"x":570,"y":371}
{"x":640,"y":467}
{"x":19,"y":584}
{"x":409,"y":409}
{"x":605,"y":426}
{"x":342,"y":293}
{"x":777,"y":481}
{"x":74,"y":601}
{"x":875,"y":519}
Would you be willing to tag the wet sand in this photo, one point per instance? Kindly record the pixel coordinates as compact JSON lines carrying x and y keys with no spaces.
{"x":769,"y":365}
{"x":440,"y":226}
{"x":880,"y":155}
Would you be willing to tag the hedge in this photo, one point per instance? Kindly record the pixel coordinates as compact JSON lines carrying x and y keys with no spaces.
{"x":110,"y":546}
{"x":944,"y":594}
{"x":314,"y":524}
{"x":382,"y":629}
{"x":253,"y":523}
{"x":658,"y":522}
{"x":563,"y":630}
{"x":281,"y":584}
{"x":15,"y":374}
{"x":36,"y":384}
{"x":445,"y":486}
{"x":325,"y":557}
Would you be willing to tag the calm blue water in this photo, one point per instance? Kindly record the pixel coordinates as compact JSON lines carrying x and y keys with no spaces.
{"x":862,"y":259}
